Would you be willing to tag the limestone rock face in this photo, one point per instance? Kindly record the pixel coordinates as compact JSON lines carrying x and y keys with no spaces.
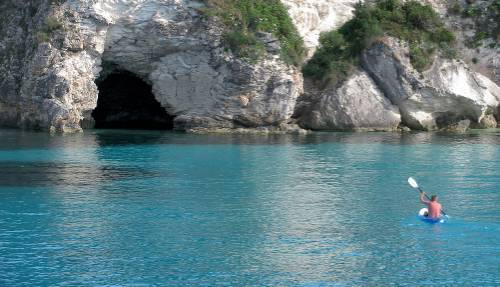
{"x":440,"y":97}
{"x":19,"y":22}
{"x":207,"y":91}
{"x":357,"y":104}
{"x":167,"y":43}
{"x":482,"y":57}
{"x":451,"y":95}
{"x":53,"y":52}
{"x":311,"y":17}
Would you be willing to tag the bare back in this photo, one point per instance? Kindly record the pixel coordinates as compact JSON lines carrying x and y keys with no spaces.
{"x":434,"y":209}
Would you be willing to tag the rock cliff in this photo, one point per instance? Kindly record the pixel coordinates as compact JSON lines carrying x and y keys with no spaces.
{"x":55,"y":54}
{"x":440,"y":97}
{"x":450,"y":95}
{"x":357,"y":104}
{"x":477,"y":27}
{"x":315,"y":16}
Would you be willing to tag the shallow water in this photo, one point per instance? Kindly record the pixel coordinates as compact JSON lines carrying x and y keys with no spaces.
{"x":142,"y":208}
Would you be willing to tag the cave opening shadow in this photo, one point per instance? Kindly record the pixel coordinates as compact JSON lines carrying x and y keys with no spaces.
{"x":125,"y":101}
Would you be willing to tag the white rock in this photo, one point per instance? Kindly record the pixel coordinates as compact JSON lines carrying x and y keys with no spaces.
{"x":311,"y":17}
{"x":164,"y":42}
{"x":356,"y":105}
{"x":167,"y":44}
{"x":440,"y":97}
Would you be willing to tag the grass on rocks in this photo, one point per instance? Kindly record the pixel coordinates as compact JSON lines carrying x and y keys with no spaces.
{"x":244,"y":19}
{"x":486,"y":17}
{"x":50,"y":25}
{"x":411,"y":21}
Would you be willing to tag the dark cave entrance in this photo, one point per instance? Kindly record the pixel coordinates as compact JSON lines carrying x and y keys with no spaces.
{"x":127,"y":102}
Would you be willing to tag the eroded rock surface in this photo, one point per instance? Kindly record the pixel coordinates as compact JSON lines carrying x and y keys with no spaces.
{"x":357,"y":104}
{"x":19,"y":22}
{"x":166,"y":43}
{"x":481,"y":55}
{"x":440,"y":97}
{"x":52,"y":52}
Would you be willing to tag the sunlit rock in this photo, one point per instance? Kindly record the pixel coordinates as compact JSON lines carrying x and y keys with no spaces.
{"x":166,"y":43}
{"x":440,"y":97}
{"x":311,"y":17}
{"x":357,"y":104}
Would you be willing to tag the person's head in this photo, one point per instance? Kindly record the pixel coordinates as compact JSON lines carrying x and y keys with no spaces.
{"x":434,"y":198}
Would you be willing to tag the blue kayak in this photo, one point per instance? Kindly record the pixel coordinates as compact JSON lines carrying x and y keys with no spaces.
{"x":422,"y":216}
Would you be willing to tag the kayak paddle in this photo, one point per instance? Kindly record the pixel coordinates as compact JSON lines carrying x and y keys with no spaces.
{"x":413,"y":183}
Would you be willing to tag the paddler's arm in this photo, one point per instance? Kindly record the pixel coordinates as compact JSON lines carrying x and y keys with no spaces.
{"x":422,"y":198}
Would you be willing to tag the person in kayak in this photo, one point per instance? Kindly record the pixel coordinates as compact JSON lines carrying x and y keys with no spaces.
{"x":433,"y":205}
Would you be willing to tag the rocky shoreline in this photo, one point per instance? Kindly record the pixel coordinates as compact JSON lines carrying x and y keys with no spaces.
{"x":53,"y":52}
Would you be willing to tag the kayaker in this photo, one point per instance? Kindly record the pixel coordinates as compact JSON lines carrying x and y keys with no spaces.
{"x":433,"y":205}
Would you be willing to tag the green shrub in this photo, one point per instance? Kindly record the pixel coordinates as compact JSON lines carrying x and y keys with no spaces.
{"x":42,"y":37}
{"x":333,"y":60}
{"x":448,"y":51}
{"x":244,"y":44}
{"x":243,"y":19}
{"x":480,"y":36}
{"x":50,"y":25}
{"x":442,"y":35}
{"x":361,"y":30}
{"x":496,"y":4}
{"x":494,"y":14}
{"x":421,"y":17}
{"x":477,"y":39}
{"x":470,"y":11}
{"x":411,"y":21}
{"x":487,"y":22}
{"x":419,"y":56}
{"x":454,"y":7}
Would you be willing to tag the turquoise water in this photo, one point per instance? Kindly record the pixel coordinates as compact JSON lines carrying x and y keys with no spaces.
{"x":137,"y":208}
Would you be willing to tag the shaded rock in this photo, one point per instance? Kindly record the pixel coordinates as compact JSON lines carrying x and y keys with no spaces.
{"x":488,"y":122}
{"x":459,"y":127}
{"x":356,"y":105}
{"x":273,"y":45}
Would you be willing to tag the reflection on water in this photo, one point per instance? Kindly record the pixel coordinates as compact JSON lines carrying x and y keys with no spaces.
{"x":102,"y":138}
{"x":66,"y":173}
{"x":326,"y":209}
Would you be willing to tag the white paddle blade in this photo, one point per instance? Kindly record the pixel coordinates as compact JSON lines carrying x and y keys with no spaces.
{"x":412,"y":182}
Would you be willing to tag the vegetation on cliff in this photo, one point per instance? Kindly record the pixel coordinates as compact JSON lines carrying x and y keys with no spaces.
{"x":50,"y":25}
{"x":244,"y":19}
{"x":486,"y":17}
{"x":411,"y":21}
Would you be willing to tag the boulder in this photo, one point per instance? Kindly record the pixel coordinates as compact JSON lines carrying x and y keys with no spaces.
{"x":440,"y":97}
{"x":357,"y":104}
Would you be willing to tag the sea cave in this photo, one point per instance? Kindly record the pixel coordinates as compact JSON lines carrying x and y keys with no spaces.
{"x":125,"y":101}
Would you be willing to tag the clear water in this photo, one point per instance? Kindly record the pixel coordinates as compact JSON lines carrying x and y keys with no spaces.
{"x":132,"y":208}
